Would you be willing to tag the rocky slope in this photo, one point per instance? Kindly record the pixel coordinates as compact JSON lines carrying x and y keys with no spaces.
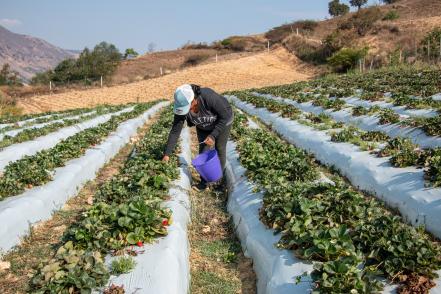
{"x":28,"y":55}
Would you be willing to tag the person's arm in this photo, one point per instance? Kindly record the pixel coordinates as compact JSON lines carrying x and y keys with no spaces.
{"x":175,"y":132}
{"x":222,"y":108}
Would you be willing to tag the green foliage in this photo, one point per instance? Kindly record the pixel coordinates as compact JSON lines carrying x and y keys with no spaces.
{"x":90,"y":65}
{"x":130,"y":52}
{"x":70,"y":270}
{"x":350,"y":237}
{"x":433,"y":173}
{"x":32,"y":133}
{"x":391,"y":15}
{"x":114,"y":222}
{"x":362,"y":21}
{"x":122,"y":265}
{"x":277,"y":34}
{"x":335,"y":8}
{"x":358,"y":3}
{"x":346,"y":58}
{"x":430,"y":45}
{"x":36,"y":170}
{"x":388,"y":116}
{"x":9,"y":77}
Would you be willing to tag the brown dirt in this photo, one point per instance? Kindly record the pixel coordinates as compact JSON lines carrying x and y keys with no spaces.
{"x":263,"y":69}
{"x":210,"y":223}
{"x":40,"y":245}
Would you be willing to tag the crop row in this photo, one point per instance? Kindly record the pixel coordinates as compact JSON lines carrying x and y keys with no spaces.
{"x":373,"y":85}
{"x":430,"y":125}
{"x":32,"y":133}
{"x":42,"y":116}
{"x":402,"y":152}
{"x":352,"y":238}
{"x":48,"y":118}
{"x":126,"y":211}
{"x":35,"y":170}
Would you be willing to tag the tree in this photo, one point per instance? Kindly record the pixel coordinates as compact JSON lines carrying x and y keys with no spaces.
{"x":336,"y":8}
{"x":151,"y":47}
{"x":346,"y":58}
{"x":389,"y":1}
{"x":8,"y":76}
{"x":358,"y":3}
{"x":90,"y":65}
{"x":130,"y":51}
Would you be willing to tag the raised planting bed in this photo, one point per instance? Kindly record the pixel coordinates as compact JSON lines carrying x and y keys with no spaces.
{"x":128,"y":212}
{"x":16,"y":213}
{"x":29,"y":148}
{"x":421,"y":136}
{"x":169,"y":254}
{"x":402,"y":189}
{"x":400,"y":151}
{"x":49,"y":118}
{"x":29,"y":133}
{"x":351,"y":239}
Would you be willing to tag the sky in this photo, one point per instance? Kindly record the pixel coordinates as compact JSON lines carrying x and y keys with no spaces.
{"x":134,"y":24}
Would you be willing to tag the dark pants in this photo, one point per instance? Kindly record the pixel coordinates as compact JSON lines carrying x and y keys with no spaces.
{"x":220,"y":146}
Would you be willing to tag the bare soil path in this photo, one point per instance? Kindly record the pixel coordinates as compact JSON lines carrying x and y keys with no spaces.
{"x":259,"y":70}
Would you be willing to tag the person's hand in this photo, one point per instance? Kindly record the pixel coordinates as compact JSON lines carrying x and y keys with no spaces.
{"x":209,"y":141}
{"x":166,"y":158}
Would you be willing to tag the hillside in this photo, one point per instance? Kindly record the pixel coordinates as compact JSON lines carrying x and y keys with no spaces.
{"x":414,"y":18}
{"x":149,"y":65}
{"x":263,"y":69}
{"x":28,"y":55}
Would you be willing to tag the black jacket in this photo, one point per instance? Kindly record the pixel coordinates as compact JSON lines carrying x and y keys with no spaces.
{"x":214,"y":114}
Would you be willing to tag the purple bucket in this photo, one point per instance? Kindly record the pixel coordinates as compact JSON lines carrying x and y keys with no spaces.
{"x":208,"y":166}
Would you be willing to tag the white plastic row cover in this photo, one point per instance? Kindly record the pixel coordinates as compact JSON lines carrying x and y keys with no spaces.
{"x":15,"y":132}
{"x":17,"y":151}
{"x":164,"y":268}
{"x":367,"y":123}
{"x":17,"y":213}
{"x":401,"y":188}
{"x":276,"y":269}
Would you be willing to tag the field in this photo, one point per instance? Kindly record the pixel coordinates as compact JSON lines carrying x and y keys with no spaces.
{"x":257,"y":70}
{"x":333,"y":186}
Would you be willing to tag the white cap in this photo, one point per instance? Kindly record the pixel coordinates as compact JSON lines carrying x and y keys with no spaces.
{"x":184,"y":95}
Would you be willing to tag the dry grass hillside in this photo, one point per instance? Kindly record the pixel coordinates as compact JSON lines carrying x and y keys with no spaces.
{"x":148,"y":66}
{"x":258,"y":70}
{"x":372,"y":27}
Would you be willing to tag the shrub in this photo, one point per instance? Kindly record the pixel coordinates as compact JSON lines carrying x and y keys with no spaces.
{"x":391,"y":15}
{"x":346,"y":58}
{"x":306,"y":50}
{"x":430,"y":45}
{"x":194,"y":59}
{"x":277,"y":34}
{"x":362,"y":21}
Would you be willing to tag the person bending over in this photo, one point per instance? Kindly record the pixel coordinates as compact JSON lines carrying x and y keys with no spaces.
{"x":210,"y":113}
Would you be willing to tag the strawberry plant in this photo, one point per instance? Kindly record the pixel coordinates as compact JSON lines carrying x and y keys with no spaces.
{"x":350,"y":237}
{"x":32,"y":133}
{"x":388,"y":116}
{"x":433,"y":173}
{"x":69,"y":270}
{"x":128,"y":211}
{"x":37,"y":169}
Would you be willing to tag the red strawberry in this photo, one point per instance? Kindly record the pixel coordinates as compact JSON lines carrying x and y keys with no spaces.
{"x":139,"y":243}
{"x":165,"y":222}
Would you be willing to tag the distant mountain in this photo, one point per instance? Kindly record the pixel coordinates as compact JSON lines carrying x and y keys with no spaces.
{"x":29,"y":55}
